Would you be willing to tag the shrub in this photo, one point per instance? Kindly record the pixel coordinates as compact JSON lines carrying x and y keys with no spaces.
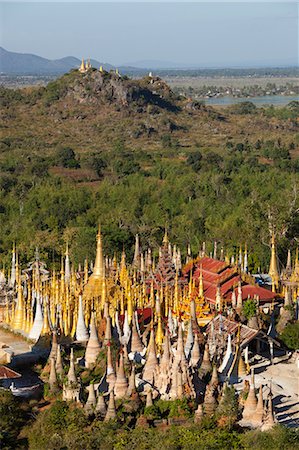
{"x":249,"y":308}
{"x":12,"y":419}
{"x":194,"y":160}
{"x":98,"y":164}
{"x":290,"y":336}
{"x":66,"y":157}
{"x":227,"y":410}
{"x":243,"y":108}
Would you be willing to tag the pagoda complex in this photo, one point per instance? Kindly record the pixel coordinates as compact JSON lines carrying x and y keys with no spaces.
{"x":36,"y":294}
{"x":174,"y":325}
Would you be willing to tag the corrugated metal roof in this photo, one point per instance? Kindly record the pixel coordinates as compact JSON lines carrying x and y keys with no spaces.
{"x":221,"y":325}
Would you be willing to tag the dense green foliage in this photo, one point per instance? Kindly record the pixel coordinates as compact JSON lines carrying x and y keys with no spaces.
{"x":13,"y":416}
{"x":249,"y":308}
{"x":228,"y":409}
{"x":65,"y":427}
{"x":290,"y":336}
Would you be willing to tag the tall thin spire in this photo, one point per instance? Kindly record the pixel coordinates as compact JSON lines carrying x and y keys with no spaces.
{"x":71,"y":376}
{"x":99,"y":267}
{"x":111,"y":409}
{"x":245,"y":264}
{"x":121,"y":382}
{"x":94,"y":285}
{"x":19,"y":312}
{"x":82,"y":68}
{"x":13,"y":267}
{"x":201,"y":286}
{"x":136,"y":260}
{"x":273,"y":269}
{"x":251,"y":401}
{"x":165,"y":238}
{"x":81,"y":330}
{"x":67,"y":268}
{"x":93,"y":345}
{"x":289,"y":263}
{"x":151,"y":360}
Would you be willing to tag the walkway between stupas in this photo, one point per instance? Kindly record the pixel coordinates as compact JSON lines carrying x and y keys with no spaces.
{"x":18,"y":344}
{"x":283,"y":377}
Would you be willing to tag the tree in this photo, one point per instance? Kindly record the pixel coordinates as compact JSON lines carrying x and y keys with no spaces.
{"x":194,"y":160}
{"x":98,"y":164}
{"x":243,"y":108}
{"x":249,"y":308}
{"x":290,"y":336}
{"x":124,"y":167}
{"x":66,"y":157}
{"x":12,"y":419}
{"x":227,"y":410}
{"x":212,"y":159}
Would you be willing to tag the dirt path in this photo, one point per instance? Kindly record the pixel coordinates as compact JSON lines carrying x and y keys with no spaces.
{"x":18,"y":344}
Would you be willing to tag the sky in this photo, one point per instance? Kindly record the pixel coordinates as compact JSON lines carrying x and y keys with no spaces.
{"x":196,"y":34}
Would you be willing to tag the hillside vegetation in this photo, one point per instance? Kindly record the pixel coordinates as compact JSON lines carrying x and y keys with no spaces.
{"x":129,"y":153}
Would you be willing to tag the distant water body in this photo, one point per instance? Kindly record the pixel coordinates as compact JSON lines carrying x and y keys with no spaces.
{"x":276,"y":100}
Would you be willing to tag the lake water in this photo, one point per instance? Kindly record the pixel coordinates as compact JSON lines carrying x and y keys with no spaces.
{"x":276,"y":100}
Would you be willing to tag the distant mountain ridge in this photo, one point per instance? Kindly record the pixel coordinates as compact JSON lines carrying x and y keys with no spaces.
{"x":12,"y":63}
{"x":29,"y":64}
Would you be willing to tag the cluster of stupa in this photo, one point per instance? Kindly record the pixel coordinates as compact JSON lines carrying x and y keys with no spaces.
{"x":36,"y":301}
{"x":258,"y":412}
{"x":85,"y":66}
{"x":150,"y":312}
{"x":45,"y":300}
{"x":144,"y":370}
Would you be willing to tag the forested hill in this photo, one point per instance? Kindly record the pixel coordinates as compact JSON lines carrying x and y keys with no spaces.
{"x":129,"y":153}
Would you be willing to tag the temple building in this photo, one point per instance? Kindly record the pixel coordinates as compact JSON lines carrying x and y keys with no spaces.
{"x":224,"y":284}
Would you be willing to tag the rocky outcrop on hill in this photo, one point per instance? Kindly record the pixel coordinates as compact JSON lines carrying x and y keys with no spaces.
{"x":96,"y":87}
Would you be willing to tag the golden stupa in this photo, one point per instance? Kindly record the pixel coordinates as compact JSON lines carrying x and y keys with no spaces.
{"x":94,"y":286}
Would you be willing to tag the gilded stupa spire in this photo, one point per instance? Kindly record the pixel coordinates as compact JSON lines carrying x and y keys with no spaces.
{"x":273,"y":269}
{"x":289,"y":263}
{"x":136,"y":260}
{"x":13,"y":266}
{"x":67,"y":267}
{"x":99,"y":266}
{"x":20,"y":309}
{"x":201,"y":287}
{"x":82,"y":68}
{"x":94,"y":286}
{"x":165,"y":238}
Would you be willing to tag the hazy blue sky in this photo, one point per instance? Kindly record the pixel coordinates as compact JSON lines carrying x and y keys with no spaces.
{"x":198,"y":34}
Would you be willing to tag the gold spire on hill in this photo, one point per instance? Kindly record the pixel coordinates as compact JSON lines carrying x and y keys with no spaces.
{"x":82,"y":67}
{"x":273,"y":269}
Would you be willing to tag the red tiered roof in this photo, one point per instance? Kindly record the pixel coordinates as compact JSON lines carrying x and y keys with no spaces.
{"x":218,"y":273}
